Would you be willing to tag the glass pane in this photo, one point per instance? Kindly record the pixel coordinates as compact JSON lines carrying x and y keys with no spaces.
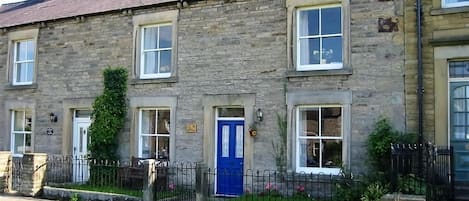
{"x":27,"y":143}
{"x":309,"y":153}
{"x":331,"y":121}
{"x":331,"y":21}
{"x":459,"y":132}
{"x":332,"y":153}
{"x":309,"y":122}
{"x":309,"y":51}
{"x":148,"y":147}
{"x":163,"y":121}
{"x":150,"y":36}
{"x":18,"y":123}
{"x":21,"y":51}
{"x":459,"y":92}
{"x":459,"y":105}
{"x":231,"y":112}
{"x":165,"y":61}
{"x":151,"y":62}
{"x":309,"y":22}
{"x":29,"y":71}
{"x":82,"y":113}
{"x":165,"y":36}
{"x":80,"y":142}
{"x":18,"y":144}
{"x":30,"y":52}
{"x":148,"y":121}
{"x":332,"y":50}
{"x":21,"y":72}
{"x":458,"y":69}
{"x":225,"y":147}
{"x":28,"y":119}
{"x":239,"y":141}
{"x":459,"y":119}
{"x":163,"y":148}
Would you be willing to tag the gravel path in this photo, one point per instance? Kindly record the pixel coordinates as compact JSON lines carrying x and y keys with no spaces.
{"x":17,"y":198}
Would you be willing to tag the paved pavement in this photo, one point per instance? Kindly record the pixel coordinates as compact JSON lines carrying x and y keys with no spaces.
{"x":17,"y":198}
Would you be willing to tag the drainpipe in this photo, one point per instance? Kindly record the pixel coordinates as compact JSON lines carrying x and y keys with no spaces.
{"x":420,"y":89}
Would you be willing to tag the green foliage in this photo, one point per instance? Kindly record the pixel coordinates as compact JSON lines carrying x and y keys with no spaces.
{"x":109,"y":110}
{"x":379,"y":144}
{"x":411,"y":184}
{"x":280,"y":147}
{"x":75,"y":197}
{"x":374,"y":192}
{"x":348,"y":188}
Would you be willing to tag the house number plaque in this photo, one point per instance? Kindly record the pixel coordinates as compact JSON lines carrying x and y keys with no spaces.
{"x":191,"y":127}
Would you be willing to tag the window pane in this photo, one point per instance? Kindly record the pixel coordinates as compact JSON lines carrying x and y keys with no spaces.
{"x":30,"y":52}
{"x":148,"y":121}
{"x":309,"y":22}
{"x":332,"y":153}
{"x":225,"y":141}
{"x":309,"y":153}
{"x":309,"y":122}
{"x":459,"y":119}
{"x":458,"y":69}
{"x":331,"y":122}
{"x":332,"y":50}
{"x":151,"y":62}
{"x":163,"y":147}
{"x":331,"y":21}
{"x":165,"y":63}
{"x":163,"y":122}
{"x":21,"y":51}
{"x":239,"y":141}
{"x":18,"y":144}
{"x":459,"y":92}
{"x":27,"y":143}
{"x":231,"y":112}
{"x":150,"y":36}
{"x":459,"y":105}
{"x":29,"y":71}
{"x":82,"y":113}
{"x":28,"y":119}
{"x":309,"y":51}
{"x":148,"y":147}
{"x":18,"y":123}
{"x":165,"y":37}
{"x":459,"y":132}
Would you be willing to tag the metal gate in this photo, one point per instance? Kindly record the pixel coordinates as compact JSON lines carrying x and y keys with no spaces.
{"x":16,"y":171}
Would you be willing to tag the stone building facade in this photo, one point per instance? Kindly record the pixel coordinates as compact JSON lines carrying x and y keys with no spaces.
{"x":445,"y":51}
{"x":329,"y":68}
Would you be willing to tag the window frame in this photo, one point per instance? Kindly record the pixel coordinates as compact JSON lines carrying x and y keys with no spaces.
{"x":13,"y":133}
{"x":15,"y":62}
{"x":444,"y":4}
{"x":298,"y":138}
{"x":140,"y":134}
{"x":312,"y":67}
{"x":142,"y":74}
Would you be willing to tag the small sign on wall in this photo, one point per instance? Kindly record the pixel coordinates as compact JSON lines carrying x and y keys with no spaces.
{"x":389,"y":24}
{"x":191,"y":127}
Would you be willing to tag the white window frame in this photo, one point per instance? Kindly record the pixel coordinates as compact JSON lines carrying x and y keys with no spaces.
{"x":23,"y":132}
{"x":316,"y":170}
{"x":452,"y":5}
{"x":141,"y":135}
{"x":142,"y":53}
{"x":15,"y":62}
{"x":310,"y":67}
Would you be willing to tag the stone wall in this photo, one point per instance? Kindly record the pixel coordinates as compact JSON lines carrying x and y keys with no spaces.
{"x":5,"y":167}
{"x":33,"y":173}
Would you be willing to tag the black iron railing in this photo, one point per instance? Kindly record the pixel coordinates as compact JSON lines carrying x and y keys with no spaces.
{"x":423,"y":170}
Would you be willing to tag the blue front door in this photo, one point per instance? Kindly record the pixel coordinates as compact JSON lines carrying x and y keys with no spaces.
{"x":459,"y":128}
{"x":230,"y":155}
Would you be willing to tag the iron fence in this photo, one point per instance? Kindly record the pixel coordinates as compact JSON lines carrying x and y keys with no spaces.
{"x":16,"y":171}
{"x":97,"y":175}
{"x":423,"y":170}
{"x":175,"y":181}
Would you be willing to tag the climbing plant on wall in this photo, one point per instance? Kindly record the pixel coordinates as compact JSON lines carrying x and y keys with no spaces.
{"x":108,"y":117}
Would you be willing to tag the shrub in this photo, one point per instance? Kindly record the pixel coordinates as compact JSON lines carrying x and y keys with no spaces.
{"x":109,"y":110}
{"x":374,"y":192}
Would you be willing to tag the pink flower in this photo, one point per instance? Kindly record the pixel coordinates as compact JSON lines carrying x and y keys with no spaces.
{"x":171,"y":187}
{"x":300,"y":188}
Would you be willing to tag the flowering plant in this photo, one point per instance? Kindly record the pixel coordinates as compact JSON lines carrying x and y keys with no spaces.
{"x":270,"y":190}
{"x":172,"y":187}
{"x":300,"y":192}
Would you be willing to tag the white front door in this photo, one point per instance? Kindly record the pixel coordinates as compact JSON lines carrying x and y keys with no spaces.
{"x":80,"y":149}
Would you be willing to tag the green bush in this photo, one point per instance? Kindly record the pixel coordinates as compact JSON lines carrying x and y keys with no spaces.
{"x":109,"y":110}
{"x":374,"y":192}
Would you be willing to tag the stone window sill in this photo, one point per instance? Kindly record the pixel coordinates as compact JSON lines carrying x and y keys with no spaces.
{"x":137,"y":81}
{"x":445,"y":11}
{"x":20,"y":87}
{"x":344,"y":71}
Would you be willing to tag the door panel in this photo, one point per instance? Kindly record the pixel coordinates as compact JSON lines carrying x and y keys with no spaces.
{"x":459,"y":128}
{"x":80,"y":150}
{"x":230,"y":157}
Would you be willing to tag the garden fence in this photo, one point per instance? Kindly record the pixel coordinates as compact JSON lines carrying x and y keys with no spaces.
{"x":423,"y":170}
